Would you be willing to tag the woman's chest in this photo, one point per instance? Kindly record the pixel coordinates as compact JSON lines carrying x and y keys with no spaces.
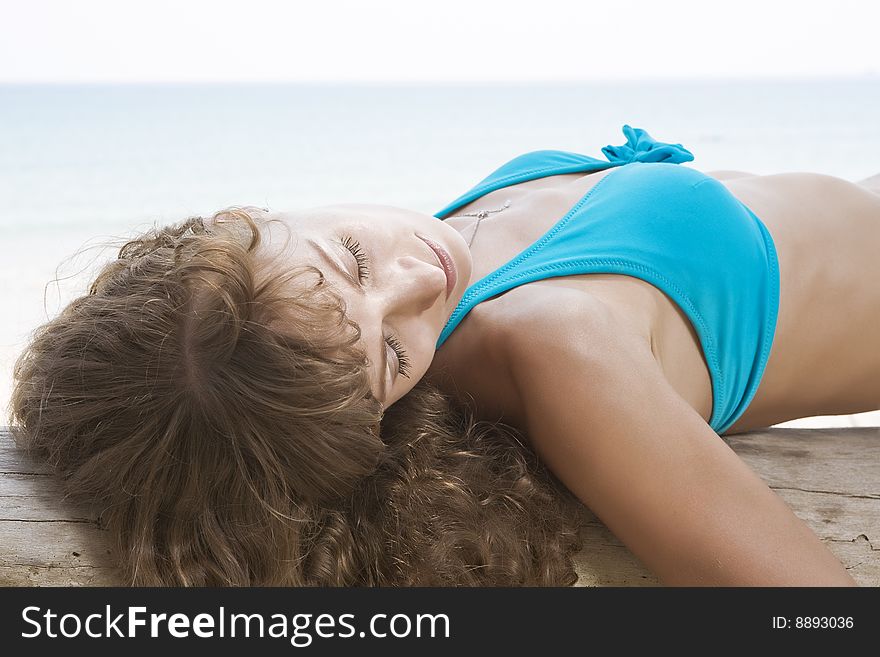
{"x":536,"y":206}
{"x":474,"y":367}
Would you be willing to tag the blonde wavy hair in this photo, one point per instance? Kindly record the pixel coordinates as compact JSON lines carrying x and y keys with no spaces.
{"x":223,"y":420}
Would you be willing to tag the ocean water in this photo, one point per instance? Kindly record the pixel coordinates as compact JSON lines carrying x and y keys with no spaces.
{"x":84,"y":165}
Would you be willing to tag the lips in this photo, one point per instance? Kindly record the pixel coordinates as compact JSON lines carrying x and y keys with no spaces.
{"x":445,"y":262}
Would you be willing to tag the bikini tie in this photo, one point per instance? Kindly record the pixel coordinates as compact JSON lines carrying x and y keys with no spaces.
{"x":641,"y":147}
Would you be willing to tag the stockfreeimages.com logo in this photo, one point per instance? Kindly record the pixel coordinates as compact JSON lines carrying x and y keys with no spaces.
{"x":300,"y":629}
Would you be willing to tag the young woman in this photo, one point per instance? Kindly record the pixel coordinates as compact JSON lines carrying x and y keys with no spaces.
{"x":358,"y":397}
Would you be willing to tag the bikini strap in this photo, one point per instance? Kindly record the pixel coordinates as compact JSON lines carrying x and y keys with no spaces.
{"x":639,"y":147}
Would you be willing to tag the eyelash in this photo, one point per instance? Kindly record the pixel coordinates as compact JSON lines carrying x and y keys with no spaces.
{"x":355,"y":248}
{"x":402,"y":359}
{"x":364,"y":271}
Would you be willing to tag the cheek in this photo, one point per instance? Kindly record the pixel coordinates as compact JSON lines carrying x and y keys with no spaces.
{"x":406,"y":225}
{"x":427,"y":352}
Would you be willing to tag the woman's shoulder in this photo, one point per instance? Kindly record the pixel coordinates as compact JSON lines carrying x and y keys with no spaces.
{"x":550,"y":339}
{"x":528,"y":329}
{"x":536,"y":330}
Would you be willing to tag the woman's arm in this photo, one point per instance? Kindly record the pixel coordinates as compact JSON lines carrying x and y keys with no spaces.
{"x":600,"y":413}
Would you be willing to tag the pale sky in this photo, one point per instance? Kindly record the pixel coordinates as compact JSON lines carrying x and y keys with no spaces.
{"x":453,"y":40}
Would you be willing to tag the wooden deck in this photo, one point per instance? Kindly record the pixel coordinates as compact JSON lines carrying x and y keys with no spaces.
{"x":829,"y":477}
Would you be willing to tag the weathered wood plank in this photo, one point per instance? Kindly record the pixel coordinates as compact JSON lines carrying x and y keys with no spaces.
{"x":829,"y":477}
{"x":37,"y":498}
{"x":55,"y":553}
{"x":832,"y":460}
{"x":13,"y":460}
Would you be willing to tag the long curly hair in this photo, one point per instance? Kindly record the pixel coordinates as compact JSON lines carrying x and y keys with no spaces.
{"x":223,"y":421}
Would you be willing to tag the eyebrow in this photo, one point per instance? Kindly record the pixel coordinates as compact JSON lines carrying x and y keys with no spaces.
{"x":340,"y":269}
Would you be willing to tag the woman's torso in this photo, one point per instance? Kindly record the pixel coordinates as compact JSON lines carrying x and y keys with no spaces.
{"x":824,"y":357}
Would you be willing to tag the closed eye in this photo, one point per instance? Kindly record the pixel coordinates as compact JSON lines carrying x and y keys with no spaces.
{"x":403,"y":366}
{"x":362,"y":263}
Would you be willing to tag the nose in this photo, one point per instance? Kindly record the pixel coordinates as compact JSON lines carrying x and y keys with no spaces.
{"x":413,"y":286}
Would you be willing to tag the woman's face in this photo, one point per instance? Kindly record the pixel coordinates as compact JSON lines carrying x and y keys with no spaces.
{"x":395,"y":288}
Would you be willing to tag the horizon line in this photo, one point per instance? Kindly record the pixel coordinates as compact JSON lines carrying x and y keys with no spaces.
{"x":868,"y":76}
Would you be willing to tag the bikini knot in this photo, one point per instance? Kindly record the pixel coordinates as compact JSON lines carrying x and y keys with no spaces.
{"x":641,"y":147}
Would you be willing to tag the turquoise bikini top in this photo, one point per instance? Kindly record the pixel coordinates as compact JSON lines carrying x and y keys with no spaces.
{"x":672,"y":226}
